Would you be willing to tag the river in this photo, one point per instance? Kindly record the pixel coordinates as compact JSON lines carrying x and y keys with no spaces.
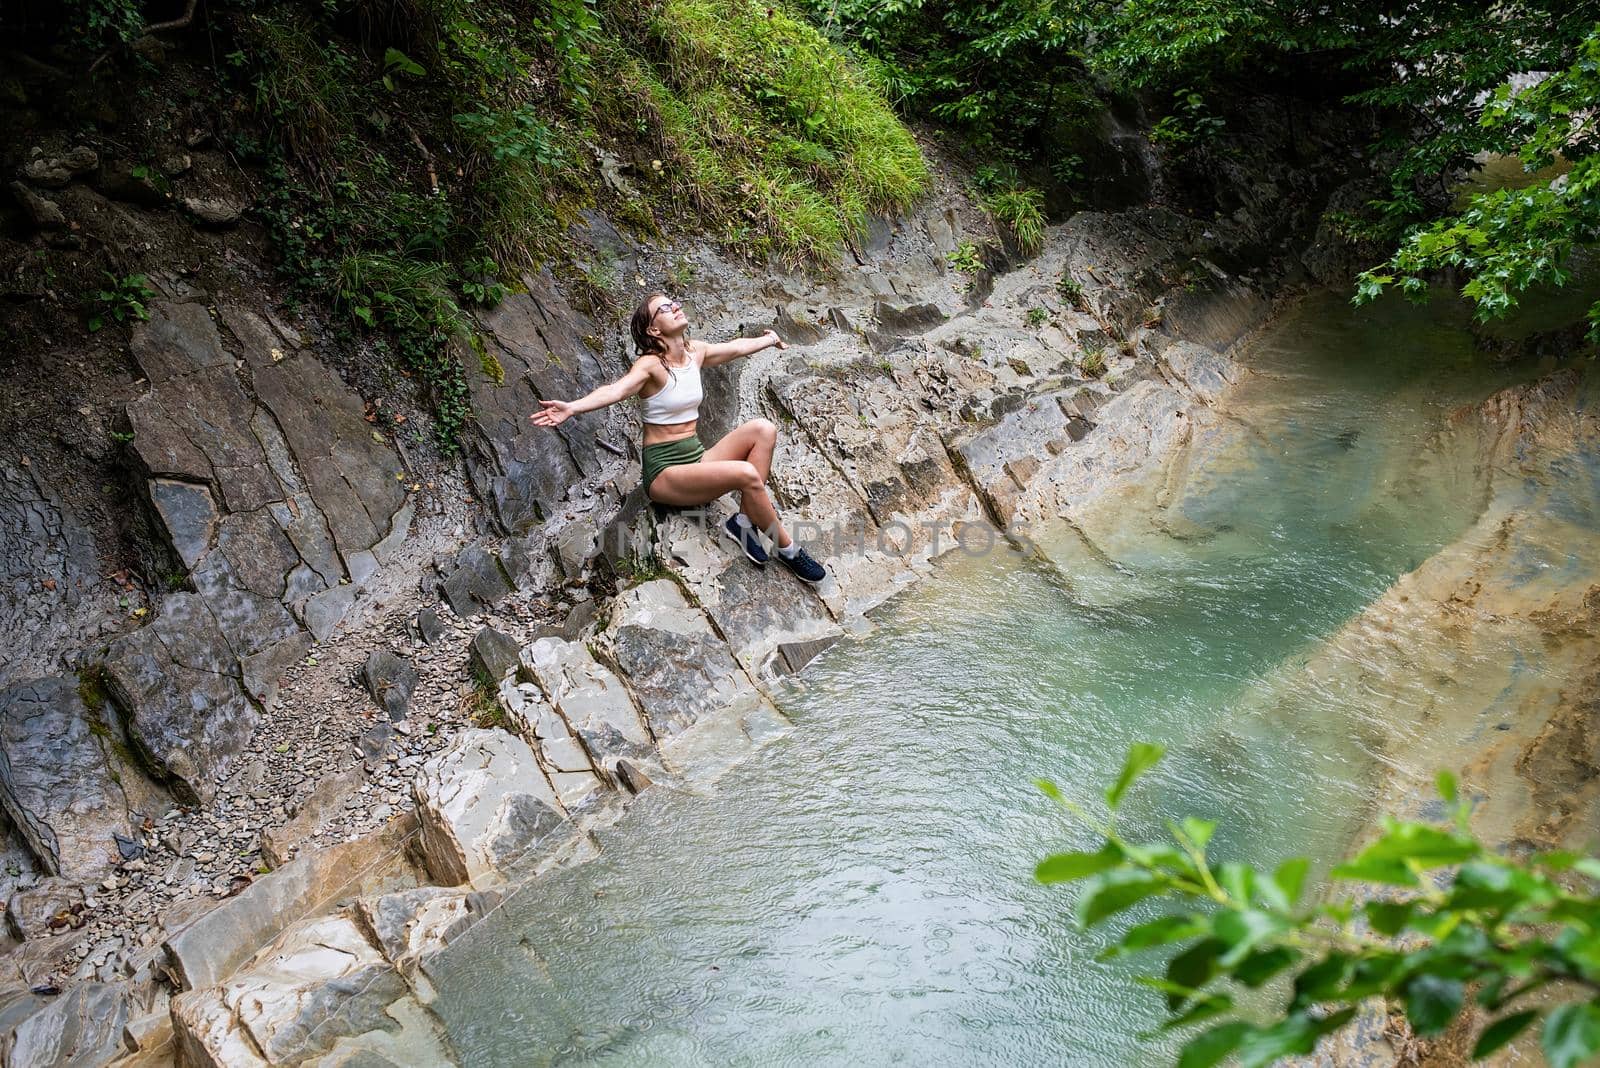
{"x":861,"y":892}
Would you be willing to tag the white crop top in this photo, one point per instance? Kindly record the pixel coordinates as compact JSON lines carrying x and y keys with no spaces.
{"x":679,"y":400}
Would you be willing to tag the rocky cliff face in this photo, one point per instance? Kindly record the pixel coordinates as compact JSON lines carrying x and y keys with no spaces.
{"x":244,"y":598}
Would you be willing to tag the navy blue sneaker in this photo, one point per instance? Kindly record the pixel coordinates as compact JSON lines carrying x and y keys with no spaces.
{"x":745,"y":535}
{"x":802,"y":565}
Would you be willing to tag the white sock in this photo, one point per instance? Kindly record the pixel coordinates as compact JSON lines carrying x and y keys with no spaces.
{"x":790,"y":551}
{"x":741,"y":521}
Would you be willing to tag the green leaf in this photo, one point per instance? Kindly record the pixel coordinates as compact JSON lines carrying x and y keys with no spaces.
{"x":1050,"y":790}
{"x":1587,"y":866}
{"x":1238,"y":880}
{"x":1367,"y":870}
{"x":1420,"y":844}
{"x":1160,"y":932}
{"x":1388,"y":917}
{"x":1213,"y":1046}
{"x":1242,"y":930}
{"x":1571,"y":1033}
{"x":1192,"y":969}
{"x":1295,"y":1034}
{"x":1321,"y":981}
{"x":1447,"y":786}
{"x":1291,"y":878}
{"x":1502,"y":1031}
{"x":1432,"y":1002}
{"x":1262,"y":965}
{"x":1070,"y":867}
{"x":1204,"y":1008}
{"x":1142,"y":756}
{"x":1199,"y":832}
{"x":1109,"y":892}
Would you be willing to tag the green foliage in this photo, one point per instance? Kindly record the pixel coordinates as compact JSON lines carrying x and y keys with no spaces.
{"x":1094,"y":363}
{"x":1036,"y":316}
{"x":1022,"y":212}
{"x":123,"y":301}
{"x":1189,"y":122}
{"x":966,"y":258}
{"x":1506,"y":241}
{"x":1072,"y":289}
{"x":1444,"y":922}
{"x":764,"y":127}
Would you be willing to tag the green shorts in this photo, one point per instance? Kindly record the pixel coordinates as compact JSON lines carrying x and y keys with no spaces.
{"x":657,"y":458}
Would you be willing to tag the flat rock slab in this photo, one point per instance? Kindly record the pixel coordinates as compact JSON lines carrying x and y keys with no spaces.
{"x":568,"y":763}
{"x":209,"y":949}
{"x":488,"y":813}
{"x":320,"y":981}
{"x":80,"y":1027}
{"x":56,"y":778}
{"x":326,"y":799}
{"x":544,"y":349}
{"x":410,"y":925}
{"x":676,"y":666}
{"x":590,"y":698}
{"x":181,"y":686}
{"x":390,"y":680}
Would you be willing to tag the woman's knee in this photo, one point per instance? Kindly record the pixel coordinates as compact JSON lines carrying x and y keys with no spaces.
{"x":749,"y":476}
{"x":764,"y":429}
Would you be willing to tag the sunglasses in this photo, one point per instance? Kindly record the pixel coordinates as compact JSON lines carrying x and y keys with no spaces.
{"x":670,"y":305}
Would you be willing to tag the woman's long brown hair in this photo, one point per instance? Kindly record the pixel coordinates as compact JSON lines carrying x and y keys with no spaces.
{"x":644,"y":342}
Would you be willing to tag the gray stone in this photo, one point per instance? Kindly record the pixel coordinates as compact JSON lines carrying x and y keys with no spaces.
{"x":57,"y":782}
{"x":677,"y":668}
{"x":590,"y":699}
{"x":545,"y":349}
{"x":249,"y":620}
{"x":486,"y":810}
{"x":409,"y":925}
{"x":189,"y":513}
{"x":574,"y":547}
{"x":350,"y":475}
{"x":81,"y":1027}
{"x":179,"y":682}
{"x":375,"y":743}
{"x":908,"y":319}
{"x":259,"y":552}
{"x":319,"y":982}
{"x":41,"y":538}
{"x":797,"y":329}
{"x":632,"y":778}
{"x":391,"y":680}
{"x":45,"y":213}
{"x":322,"y":612}
{"x":492,"y":654}
{"x":30,"y":912}
{"x":325,"y":799}
{"x":203,"y":952}
{"x":478,"y":582}
{"x":565,"y":760}
{"x":794,"y":656}
{"x":428,"y":627}
{"x":262,"y":672}
{"x":195,"y":424}
{"x":216,"y":212}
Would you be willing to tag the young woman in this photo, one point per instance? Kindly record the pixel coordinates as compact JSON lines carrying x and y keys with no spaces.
{"x":678,"y":470}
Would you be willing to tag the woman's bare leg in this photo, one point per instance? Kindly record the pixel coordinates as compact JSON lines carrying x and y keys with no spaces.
{"x":683,"y":485}
{"x":753,"y":442}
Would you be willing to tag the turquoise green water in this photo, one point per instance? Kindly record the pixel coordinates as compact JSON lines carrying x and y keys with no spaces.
{"x":861,"y":891}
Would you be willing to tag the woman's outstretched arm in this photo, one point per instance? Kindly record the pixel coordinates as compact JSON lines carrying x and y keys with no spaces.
{"x":727,"y":351}
{"x":552,"y":412}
